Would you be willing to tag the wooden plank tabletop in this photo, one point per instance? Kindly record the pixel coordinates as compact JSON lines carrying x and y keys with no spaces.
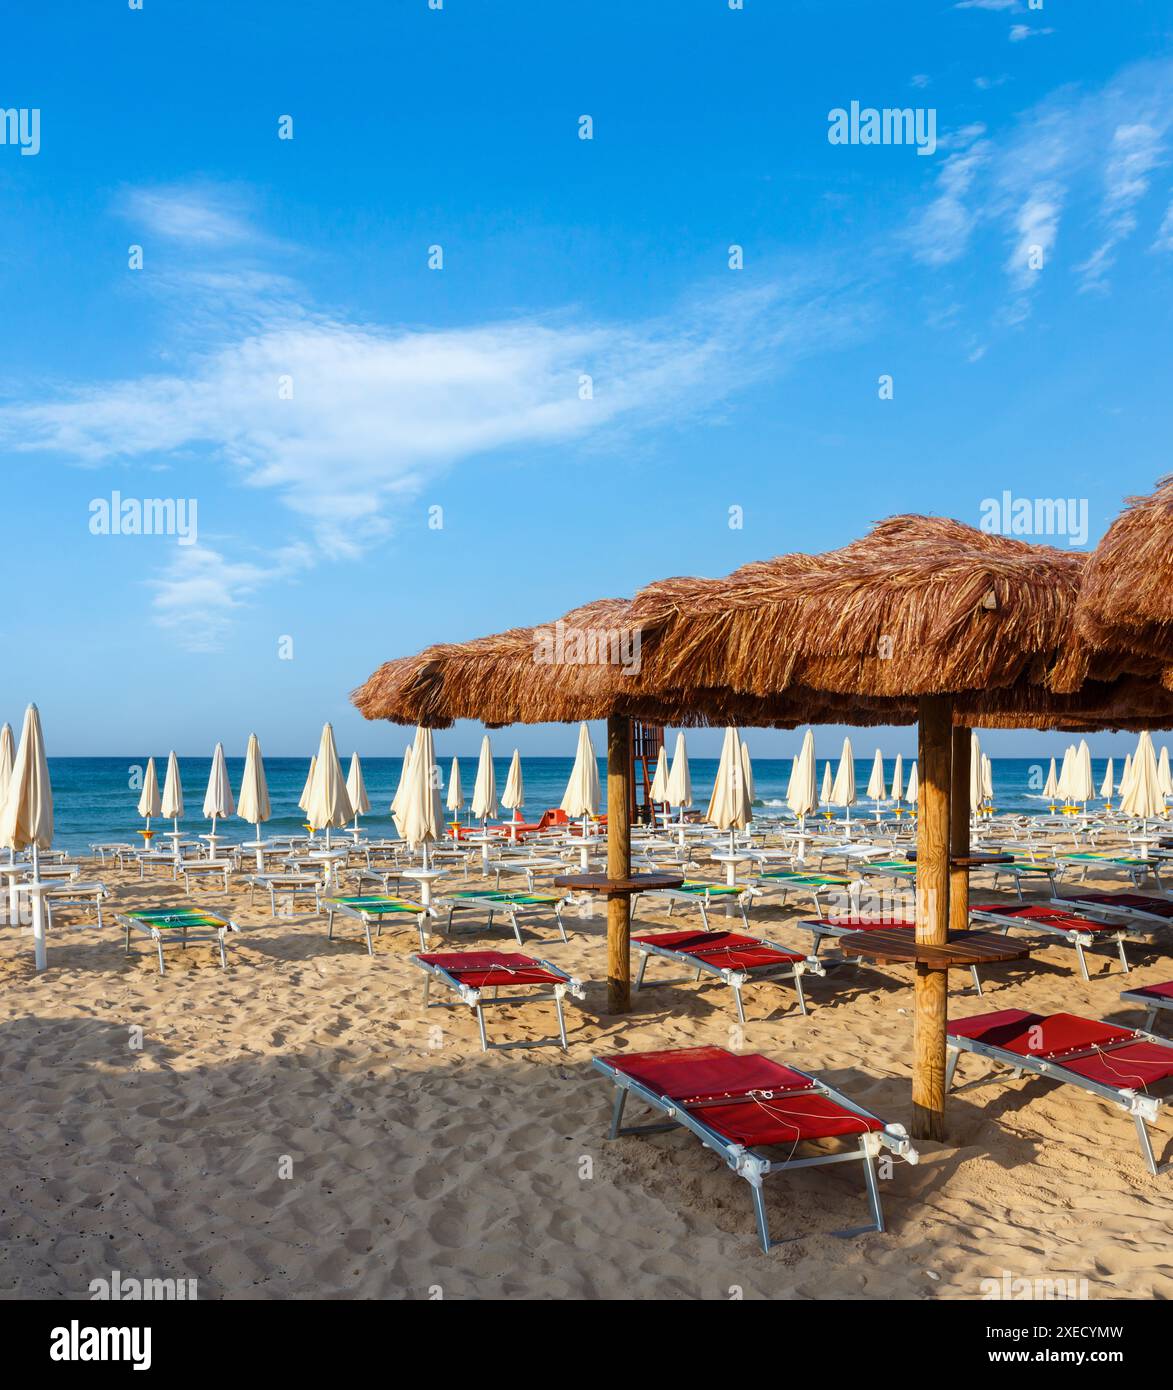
{"x":971,"y":861}
{"x":899,"y":946}
{"x":600,"y":883}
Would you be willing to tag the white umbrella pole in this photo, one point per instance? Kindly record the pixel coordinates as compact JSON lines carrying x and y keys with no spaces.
{"x":38,"y":912}
{"x":802,"y":839}
{"x":260,"y":851}
{"x":13,"y":893}
{"x":485,"y":846}
{"x":583,"y":855}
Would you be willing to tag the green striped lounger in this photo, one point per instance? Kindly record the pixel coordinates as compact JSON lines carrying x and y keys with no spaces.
{"x":373,"y":907}
{"x":515,"y":904}
{"x":1134,"y":866}
{"x":789,"y":881}
{"x":704,"y":894}
{"x":188,"y":924}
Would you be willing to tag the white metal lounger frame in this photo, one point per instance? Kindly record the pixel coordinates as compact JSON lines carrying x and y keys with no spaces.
{"x":1079,"y":939}
{"x":1152,"y":1004}
{"x":752,"y":1166}
{"x":1020,"y":871}
{"x":852,"y":889}
{"x":93,"y":892}
{"x":288,"y":885}
{"x":1137,"y":871}
{"x":494,"y":905}
{"x":417,"y":919}
{"x":216,"y":934}
{"x":701,"y":900}
{"x":1144,"y":1109}
{"x":736,"y":979}
{"x":476,"y":999}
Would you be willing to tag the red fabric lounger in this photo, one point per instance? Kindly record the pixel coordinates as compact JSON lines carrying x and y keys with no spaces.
{"x":699,"y":1076}
{"x":1159,"y":907}
{"x":1164,"y":991}
{"x":481,"y":969}
{"x":721,"y":949}
{"x":1048,"y":916}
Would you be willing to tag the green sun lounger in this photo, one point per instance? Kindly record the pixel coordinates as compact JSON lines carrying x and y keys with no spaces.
{"x":374,"y":907}
{"x":815,"y":885}
{"x":186,"y":924}
{"x":493,"y":901}
{"x":1135,"y":866}
{"x":703,"y":894}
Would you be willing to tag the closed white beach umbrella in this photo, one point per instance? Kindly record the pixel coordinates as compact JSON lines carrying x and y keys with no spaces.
{"x":1126,"y":775}
{"x":843,"y":788}
{"x":747,"y":773}
{"x":680,"y":778}
{"x":802,"y":798}
{"x":219,"y":803}
{"x":513,"y":797}
{"x":26,"y":818}
{"x":150,"y":803}
{"x":912,"y":795}
{"x":356,"y":789}
{"x":397,"y":799}
{"x":1083,"y":786}
{"x":828,"y":784}
{"x":898,"y":781}
{"x":329,"y":806}
{"x":420,"y":812}
{"x":1051,"y":785}
{"x":1164,"y":781}
{"x":729,"y":806}
{"x":172,"y":804}
{"x":303,"y":800}
{"x":975,"y":775}
{"x":1106,"y":787}
{"x":987,"y":780}
{"x":253,"y":803}
{"x":582,"y":794}
{"x":1143,"y":797}
{"x":455,"y":792}
{"x":659,"y":788}
{"x":1066,"y":771}
{"x":876,"y":790}
{"x":484,"y":792}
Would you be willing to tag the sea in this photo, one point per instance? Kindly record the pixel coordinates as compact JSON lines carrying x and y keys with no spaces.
{"x":95,"y":799}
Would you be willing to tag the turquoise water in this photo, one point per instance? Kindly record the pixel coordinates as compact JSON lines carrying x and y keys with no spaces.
{"x":94,"y":800}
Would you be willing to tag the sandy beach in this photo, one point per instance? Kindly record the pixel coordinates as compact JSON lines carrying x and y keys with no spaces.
{"x":297,"y":1127}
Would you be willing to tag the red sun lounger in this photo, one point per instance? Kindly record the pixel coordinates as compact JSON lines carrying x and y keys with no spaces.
{"x":1075,"y":928}
{"x":731,"y":957}
{"x":820,"y":927}
{"x":478,"y":977}
{"x":1154,"y":998}
{"x":1120,"y":1065}
{"x":1136,"y":908}
{"x":739,"y":1103}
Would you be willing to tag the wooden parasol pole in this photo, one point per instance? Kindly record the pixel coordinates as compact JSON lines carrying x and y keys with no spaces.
{"x":959,"y":829}
{"x":618,"y":863}
{"x":935,"y":750}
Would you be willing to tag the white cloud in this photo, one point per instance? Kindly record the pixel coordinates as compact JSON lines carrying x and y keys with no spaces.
{"x":1136,"y":151}
{"x":1019,"y":32}
{"x":197,"y":214}
{"x":373,"y":413}
{"x":1013,"y":5}
{"x":941,"y":232}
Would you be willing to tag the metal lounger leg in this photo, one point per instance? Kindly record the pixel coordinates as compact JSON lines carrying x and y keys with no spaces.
{"x":330,"y":925}
{"x":977,"y":981}
{"x":869,"y":1172}
{"x":759,"y":1211}
{"x":419,"y":926}
{"x":740,"y":1007}
{"x":366,"y":926}
{"x":799,"y":991}
{"x":639,"y":976}
{"x":617,"y":1112}
{"x":561,"y":1021}
{"x":1146,"y":1146}
{"x":480,"y":1013}
{"x":1082,"y":962}
{"x":558,"y":919}
{"x":1150,"y":1018}
{"x":704,"y":913}
{"x":516,"y":928}
{"x":951,"y":1068}
{"x":427,"y":987}
{"x":223,"y":954}
{"x":744,"y":918}
{"x":159,"y":944}
{"x":1123,"y":958}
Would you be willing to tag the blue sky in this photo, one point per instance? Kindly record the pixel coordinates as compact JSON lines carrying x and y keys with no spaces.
{"x":415,"y":388}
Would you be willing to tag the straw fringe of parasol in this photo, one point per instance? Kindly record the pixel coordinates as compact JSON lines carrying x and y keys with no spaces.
{"x":1127,"y":595}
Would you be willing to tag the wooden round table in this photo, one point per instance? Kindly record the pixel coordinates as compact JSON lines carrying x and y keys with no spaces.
{"x":964,"y":950}
{"x":617,"y":887}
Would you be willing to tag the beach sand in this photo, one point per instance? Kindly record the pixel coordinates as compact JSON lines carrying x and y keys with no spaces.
{"x":297,"y":1127}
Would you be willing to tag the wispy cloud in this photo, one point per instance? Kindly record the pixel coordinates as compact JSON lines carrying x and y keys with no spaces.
{"x":1019,"y":33}
{"x":202,"y":215}
{"x":344,"y":423}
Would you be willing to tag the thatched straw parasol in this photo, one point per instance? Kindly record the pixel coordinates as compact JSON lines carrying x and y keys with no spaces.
{"x":1127,"y":595}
